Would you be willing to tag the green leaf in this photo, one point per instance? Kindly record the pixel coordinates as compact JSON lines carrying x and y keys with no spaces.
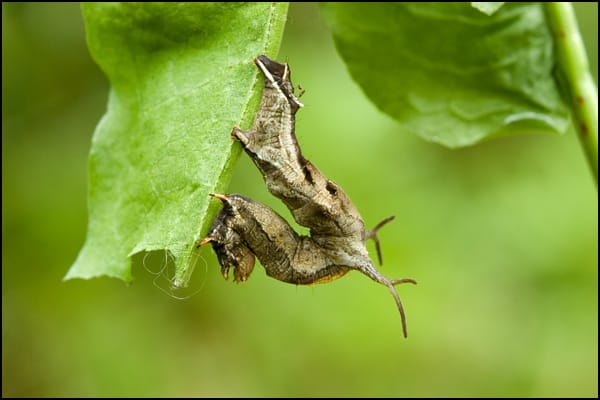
{"x":181,"y":76}
{"x":449,"y":72}
{"x":487,"y":7}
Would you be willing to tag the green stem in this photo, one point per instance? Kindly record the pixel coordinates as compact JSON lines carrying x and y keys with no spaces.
{"x":582,"y":92}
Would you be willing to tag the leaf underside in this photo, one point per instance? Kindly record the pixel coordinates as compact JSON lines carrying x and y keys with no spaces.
{"x":181,"y":76}
{"x":448,"y":71}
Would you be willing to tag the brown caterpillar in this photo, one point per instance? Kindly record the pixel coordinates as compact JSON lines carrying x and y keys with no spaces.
{"x":244,"y":229}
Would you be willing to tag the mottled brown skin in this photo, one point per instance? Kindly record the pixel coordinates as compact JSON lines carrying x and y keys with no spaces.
{"x":245,"y":229}
{"x":285,"y":255}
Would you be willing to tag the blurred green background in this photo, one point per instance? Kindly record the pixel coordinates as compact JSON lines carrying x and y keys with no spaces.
{"x":502,"y":238}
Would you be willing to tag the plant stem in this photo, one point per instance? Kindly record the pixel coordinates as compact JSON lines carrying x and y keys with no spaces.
{"x":582,"y":92}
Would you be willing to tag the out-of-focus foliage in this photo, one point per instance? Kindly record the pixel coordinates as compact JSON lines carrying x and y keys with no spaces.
{"x":451,"y":73}
{"x":487,"y":7}
{"x":502,"y":238}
